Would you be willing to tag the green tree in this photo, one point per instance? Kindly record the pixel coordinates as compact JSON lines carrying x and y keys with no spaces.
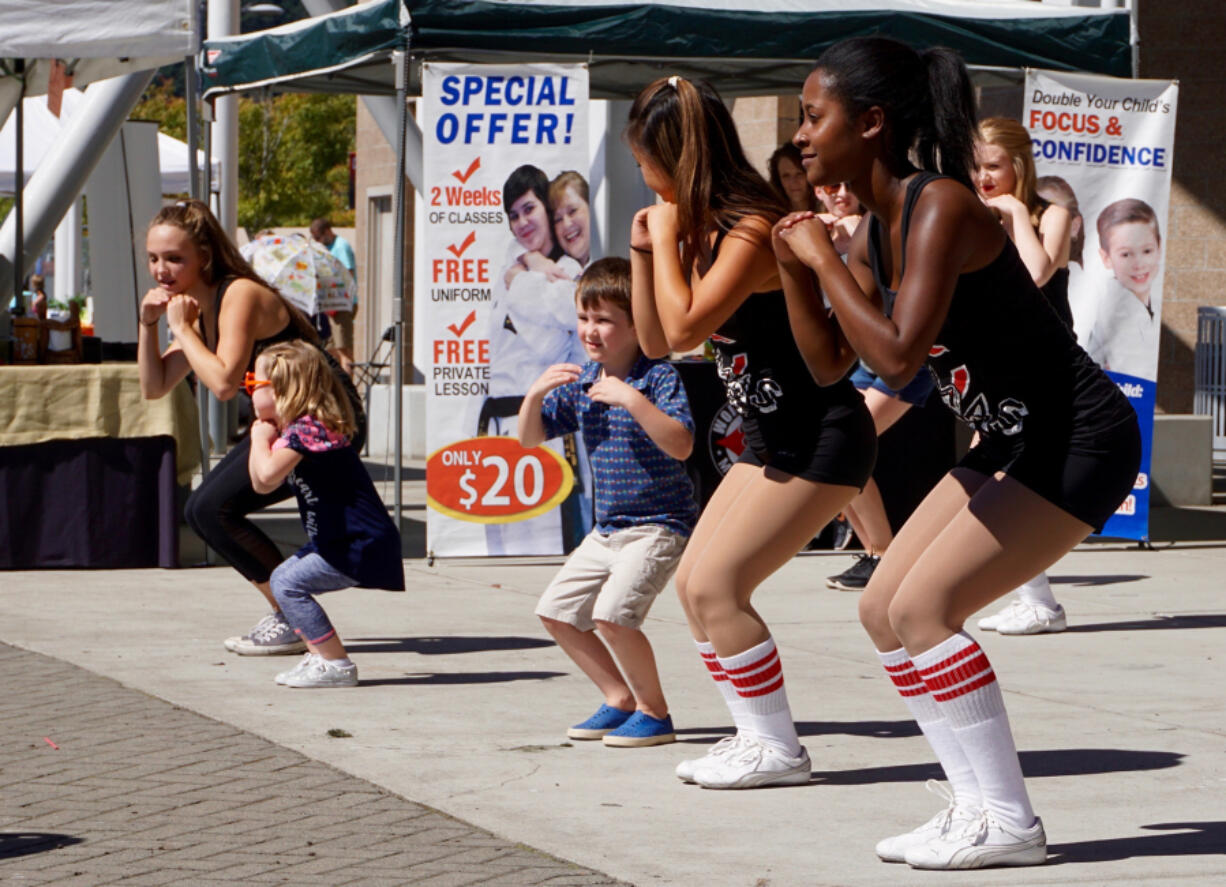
{"x":293,"y":153}
{"x":293,"y":159}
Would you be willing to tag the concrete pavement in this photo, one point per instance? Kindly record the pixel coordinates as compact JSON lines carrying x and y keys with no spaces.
{"x":464,"y":703}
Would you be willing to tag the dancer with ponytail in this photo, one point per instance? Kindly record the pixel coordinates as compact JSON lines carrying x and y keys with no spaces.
{"x":702,"y":266}
{"x":933,"y":278}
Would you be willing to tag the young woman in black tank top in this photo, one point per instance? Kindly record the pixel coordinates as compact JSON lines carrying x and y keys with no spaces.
{"x":931,"y":277}
{"x":1042,"y":232}
{"x":808,"y":449}
{"x":194,"y":264}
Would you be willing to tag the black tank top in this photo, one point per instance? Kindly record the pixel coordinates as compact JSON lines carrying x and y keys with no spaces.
{"x":288,"y":333}
{"x":1056,"y":293}
{"x":766,"y":379}
{"x":1004,"y":362}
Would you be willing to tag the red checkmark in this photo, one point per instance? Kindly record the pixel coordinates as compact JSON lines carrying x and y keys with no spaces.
{"x":464,"y":324}
{"x":472,"y":168}
{"x":458,"y":251}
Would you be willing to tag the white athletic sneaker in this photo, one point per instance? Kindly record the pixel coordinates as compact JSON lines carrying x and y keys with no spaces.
{"x":726,"y":746}
{"x":322,"y":673}
{"x":753,"y":765}
{"x":982,"y":843}
{"x":953,"y":818}
{"x":303,"y":664}
{"x":1033,"y":619}
{"x":266,"y":620}
{"x":1021,"y":617}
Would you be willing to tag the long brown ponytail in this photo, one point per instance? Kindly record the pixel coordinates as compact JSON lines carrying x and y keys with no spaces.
{"x":685,"y":129}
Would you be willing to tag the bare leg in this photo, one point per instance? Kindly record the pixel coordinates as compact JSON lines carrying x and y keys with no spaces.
{"x":330,"y":649}
{"x":265,"y":588}
{"x":638,"y":663}
{"x":720,"y":504}
{"x":756,"y":531}
{"x":594,"y":660}
{"x":867,"y":512}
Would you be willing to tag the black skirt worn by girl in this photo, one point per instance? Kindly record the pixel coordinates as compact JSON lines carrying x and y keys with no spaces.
{"x":789,"y":422}
{"x":1009,"y":367}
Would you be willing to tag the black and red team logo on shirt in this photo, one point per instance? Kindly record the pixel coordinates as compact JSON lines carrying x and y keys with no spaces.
{"x":725,"y":440}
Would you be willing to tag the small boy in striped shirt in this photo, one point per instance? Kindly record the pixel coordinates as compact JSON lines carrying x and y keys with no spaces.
{"x":636,"y":424}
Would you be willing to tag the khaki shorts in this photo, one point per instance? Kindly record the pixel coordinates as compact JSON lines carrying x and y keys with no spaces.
{"x":342,"y":331}
{"x":613,"y":578}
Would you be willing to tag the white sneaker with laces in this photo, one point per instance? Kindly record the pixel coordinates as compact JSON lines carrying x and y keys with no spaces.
{"x":266,"y":620}
{"x":754,"y":765}
{"x":272,"y":637}
{"x":323,"y":673}
{"x":981,"y":843}
{"x":953,"y":818}
{"x":303,"y":664}
{"x":1033,"y":619}
{"x":726,"y":746}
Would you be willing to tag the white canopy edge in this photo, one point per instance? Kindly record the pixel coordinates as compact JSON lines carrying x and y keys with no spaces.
{"x":80,"y":29}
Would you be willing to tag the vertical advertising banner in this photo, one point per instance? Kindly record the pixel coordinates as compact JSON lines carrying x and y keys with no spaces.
{"x":507,"y":234}
{"x":1103,"y":148}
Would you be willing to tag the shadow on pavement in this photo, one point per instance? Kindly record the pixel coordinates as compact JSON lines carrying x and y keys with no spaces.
{"x":1083,"y":581}
{"x":438,"y":646}
{"x":1193,"y":839}
{"x":1052,"y":762}
{"x":1206,"y":620}
{"x":474,"y":677}
{"x":877,"y":729}
{"x":14,"y":844}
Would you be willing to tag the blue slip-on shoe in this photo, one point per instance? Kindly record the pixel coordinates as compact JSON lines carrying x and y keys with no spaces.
{"x":606,"y":718}
{"x":641,"y":730}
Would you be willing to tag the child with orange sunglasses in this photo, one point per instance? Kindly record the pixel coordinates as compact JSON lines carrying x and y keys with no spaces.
{"x":301,"y":432}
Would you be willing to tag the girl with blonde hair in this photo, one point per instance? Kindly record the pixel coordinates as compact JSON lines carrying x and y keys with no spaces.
{"x":221,"y":315}
{"x":1042,"y":231}
{"x":301,"y":432}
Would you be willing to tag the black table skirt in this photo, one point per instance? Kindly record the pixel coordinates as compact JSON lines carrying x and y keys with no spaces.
{"x":95,"y":502}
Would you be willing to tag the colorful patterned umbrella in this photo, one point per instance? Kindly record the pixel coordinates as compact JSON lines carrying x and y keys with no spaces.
{"x":302,"y":270}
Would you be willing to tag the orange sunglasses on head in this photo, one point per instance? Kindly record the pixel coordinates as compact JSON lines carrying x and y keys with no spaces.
{"x":833,"y":189}
{"x":250,"y":383}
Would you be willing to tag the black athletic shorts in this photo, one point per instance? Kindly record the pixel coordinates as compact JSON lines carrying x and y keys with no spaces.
{"x":1089,"y":485}
{"x":842,"y":452}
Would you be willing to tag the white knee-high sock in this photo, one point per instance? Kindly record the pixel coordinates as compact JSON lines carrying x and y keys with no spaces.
{"x":963,"y":685}
{"x":757,"y":676}
{"x":936,"y":729}
{"x":1038,"y":591}
{"x":735,"y":706}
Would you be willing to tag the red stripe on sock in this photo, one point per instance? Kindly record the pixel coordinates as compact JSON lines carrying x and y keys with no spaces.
{"x":764,"y":691}
{"x":957,"y":657}
{"x":907,"y":681}
{"x":983,"y":681}
{"x":963,"y":672}
{"x":902,"y":666}
{"x":760,"y":678}
{"x":713,"y":667}
{"x":707,"y":655}
{"x":917,"y":691}
{"x":773,"y":654}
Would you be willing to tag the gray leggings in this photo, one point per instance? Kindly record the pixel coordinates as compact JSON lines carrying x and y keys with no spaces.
{"x":296,"y":582}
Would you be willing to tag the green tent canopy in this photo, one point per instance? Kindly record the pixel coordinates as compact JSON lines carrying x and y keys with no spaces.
{"x":744,"y":47}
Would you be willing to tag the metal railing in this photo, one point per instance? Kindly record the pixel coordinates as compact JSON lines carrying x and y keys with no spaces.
{"x":1210,"y":392}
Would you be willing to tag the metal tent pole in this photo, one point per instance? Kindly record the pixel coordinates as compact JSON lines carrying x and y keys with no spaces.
{"x":194,"y":189}
{"x":400,"y":60}
{"x":19,"y":252}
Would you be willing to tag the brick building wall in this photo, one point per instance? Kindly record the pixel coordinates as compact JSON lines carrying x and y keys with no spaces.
{"x":1182,"y":39}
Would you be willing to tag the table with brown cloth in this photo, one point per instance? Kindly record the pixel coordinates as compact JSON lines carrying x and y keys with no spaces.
{"x":90,"y":471}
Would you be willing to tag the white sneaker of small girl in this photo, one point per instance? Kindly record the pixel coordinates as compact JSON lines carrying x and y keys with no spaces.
{"x":307,"y":659}
{"x":953,"y":818}
{"x":726,"y":746}
{"x":755,"y":765}
{"x":982,"y":843}
{"x":322,"y":673}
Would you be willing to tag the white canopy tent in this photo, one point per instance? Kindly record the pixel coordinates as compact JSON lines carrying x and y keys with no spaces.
{"x":43,"y":130}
